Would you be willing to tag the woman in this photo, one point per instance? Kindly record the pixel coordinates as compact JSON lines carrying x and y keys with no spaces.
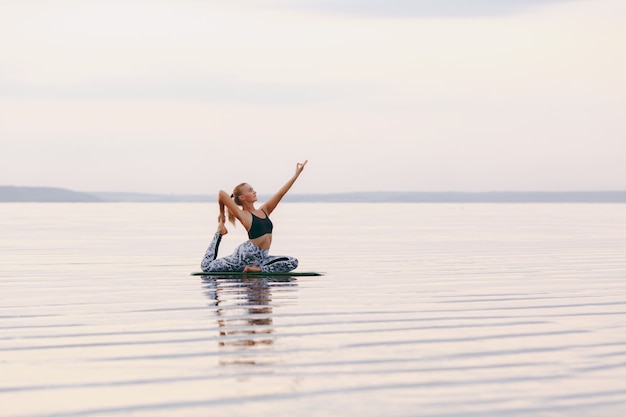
{"x":252,"y":255}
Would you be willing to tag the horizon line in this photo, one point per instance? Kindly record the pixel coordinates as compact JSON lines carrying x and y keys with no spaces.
{"x":53,"y":194}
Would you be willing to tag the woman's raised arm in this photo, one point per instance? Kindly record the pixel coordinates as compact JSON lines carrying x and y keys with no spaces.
{"x":271,"y":204}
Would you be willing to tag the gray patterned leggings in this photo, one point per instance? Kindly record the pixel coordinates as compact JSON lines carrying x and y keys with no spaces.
{"x":244,"y":255}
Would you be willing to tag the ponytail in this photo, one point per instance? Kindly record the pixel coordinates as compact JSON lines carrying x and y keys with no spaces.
{"x":235,"y":195}
{"x":232,"y":218}
{"x":231,"y":215}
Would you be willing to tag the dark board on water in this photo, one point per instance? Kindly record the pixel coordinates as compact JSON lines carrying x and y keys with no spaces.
{"x":260,"y":274}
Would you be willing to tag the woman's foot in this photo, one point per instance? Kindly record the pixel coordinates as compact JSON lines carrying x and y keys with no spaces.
{"x":251,"y":268}
{"x":221,"y":228}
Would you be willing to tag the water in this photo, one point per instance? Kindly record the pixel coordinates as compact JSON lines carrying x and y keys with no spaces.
{"x":425,"y":310}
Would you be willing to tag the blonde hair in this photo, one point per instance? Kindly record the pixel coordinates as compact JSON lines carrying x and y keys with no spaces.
{"x":237,"y":191}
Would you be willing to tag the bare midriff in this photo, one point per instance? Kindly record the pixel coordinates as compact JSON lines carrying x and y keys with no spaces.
{"x":264,"y":242}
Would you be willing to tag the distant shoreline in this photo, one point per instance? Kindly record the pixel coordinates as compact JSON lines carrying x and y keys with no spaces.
{"x":13,"y":194}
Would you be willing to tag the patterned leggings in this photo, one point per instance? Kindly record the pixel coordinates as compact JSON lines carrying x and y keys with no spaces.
{"x":244,"y":255}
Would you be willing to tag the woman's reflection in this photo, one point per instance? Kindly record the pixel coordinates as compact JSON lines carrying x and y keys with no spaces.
{"x":244,"y":316}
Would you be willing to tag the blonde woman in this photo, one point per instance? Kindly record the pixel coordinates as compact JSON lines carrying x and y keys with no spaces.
{"x":252,"y":255}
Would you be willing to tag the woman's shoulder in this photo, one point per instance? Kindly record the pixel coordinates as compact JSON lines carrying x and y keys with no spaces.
{"x":265,"y":210}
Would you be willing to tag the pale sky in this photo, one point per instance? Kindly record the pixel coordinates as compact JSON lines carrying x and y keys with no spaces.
{"x":193,"y":96}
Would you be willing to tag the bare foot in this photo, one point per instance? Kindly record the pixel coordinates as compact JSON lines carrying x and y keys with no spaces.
{"x":251,"y":268}
{"x":221,"y":228}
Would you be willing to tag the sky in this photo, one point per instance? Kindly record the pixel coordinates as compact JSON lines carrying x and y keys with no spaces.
{"x":194,"y":96}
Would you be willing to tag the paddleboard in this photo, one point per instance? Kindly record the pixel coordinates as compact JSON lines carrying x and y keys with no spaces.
{"x":259,"y":274}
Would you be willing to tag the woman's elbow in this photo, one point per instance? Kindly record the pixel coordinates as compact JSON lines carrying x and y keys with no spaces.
{"x":222,"y":196}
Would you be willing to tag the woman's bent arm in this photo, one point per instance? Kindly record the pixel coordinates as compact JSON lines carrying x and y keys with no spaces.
{"x":224,"y":200}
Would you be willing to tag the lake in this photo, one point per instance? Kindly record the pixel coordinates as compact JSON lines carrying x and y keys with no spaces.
{"x":424,"y":310}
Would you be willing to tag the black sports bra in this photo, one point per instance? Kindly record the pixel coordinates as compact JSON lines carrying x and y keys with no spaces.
{"x":260,"y":226}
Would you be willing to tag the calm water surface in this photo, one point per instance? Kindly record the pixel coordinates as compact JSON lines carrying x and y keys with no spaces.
{"x":425,"y":310}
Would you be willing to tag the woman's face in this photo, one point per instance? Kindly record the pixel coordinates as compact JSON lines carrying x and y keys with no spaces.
{"x":247,"y":193}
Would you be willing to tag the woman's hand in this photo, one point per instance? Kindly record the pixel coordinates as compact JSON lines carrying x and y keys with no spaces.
{"x":300,"y":167}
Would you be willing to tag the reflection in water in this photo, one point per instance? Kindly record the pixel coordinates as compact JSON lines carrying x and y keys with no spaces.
{"x":244,"y":310}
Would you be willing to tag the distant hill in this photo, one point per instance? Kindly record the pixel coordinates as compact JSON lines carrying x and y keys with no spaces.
{"x":466,"y":197}
{"x":152,"y":198}
{"x":43,"y":194}
{"x":47,"y":194}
